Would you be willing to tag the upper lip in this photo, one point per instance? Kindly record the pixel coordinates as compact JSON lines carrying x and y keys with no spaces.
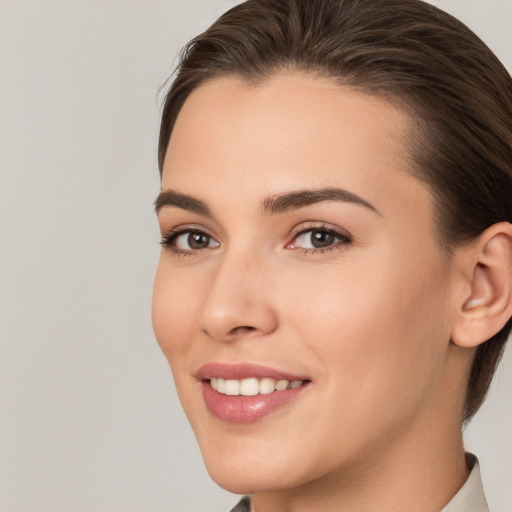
{"x":239,"y":371}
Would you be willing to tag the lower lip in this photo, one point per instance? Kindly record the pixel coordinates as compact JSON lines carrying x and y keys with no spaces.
{"x":246,"y":409}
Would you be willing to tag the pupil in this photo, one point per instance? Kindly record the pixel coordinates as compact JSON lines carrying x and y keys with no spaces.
{"x":197,"y":240}
{"x":320,"y":239}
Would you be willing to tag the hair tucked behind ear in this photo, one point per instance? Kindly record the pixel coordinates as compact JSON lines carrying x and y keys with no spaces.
{"x":457,"y":92}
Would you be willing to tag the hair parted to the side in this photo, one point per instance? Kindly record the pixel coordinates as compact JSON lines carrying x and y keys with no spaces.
{"x":458,"y":95}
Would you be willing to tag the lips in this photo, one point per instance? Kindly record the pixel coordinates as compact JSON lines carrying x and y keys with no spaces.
{"x":245,"y":393}
{"x":244,"y":371}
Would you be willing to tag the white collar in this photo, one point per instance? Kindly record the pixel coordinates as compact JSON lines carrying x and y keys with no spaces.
{"x":471,"y":496}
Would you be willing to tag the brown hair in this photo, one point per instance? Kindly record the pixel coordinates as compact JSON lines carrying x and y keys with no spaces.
{"x":409,"y":52}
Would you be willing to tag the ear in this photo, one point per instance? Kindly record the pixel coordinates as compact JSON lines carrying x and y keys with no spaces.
{"x":488,"y":306}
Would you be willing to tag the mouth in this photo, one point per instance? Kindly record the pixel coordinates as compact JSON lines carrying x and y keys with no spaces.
{"x":247,"y":393}
{"x":252,"y":386}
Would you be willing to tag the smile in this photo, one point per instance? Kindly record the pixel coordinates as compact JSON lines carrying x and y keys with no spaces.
{"x":245,"y":393}
{"x":252,"y":386}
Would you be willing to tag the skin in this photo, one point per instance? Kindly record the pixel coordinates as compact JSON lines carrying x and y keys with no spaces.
{"x":368,"y":321}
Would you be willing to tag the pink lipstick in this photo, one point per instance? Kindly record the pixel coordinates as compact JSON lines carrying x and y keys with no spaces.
{"x":244,"y":393}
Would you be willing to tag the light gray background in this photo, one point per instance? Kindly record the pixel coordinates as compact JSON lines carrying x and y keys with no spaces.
{"x":89,"y":420}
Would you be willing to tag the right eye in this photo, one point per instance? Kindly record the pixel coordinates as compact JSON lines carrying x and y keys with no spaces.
{"x":187,"y":241}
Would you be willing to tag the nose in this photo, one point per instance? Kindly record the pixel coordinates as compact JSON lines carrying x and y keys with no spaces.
{"x":238,"y":303}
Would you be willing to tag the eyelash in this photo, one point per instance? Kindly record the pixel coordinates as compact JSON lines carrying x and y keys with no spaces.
{"x":169,"y":240}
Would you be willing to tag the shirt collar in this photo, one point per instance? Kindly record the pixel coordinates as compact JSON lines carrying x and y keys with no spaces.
{"x":471,"y":496}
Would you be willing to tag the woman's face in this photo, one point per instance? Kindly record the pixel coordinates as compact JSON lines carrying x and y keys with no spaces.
{"x":299,"y":252}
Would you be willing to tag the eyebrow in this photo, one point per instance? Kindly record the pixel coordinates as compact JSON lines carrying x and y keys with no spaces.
{"x":278,"y":203}
{"x":281,"y":203}
{"x":183,"y":201}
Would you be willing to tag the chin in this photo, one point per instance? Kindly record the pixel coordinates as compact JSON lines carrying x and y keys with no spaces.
{"x":240,"y":479}
{"x":236,"y":484}
{"x":249,"y":469}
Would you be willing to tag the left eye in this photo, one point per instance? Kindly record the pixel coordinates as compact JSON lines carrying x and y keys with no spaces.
{"x":317,"y":239}
{"x":190,"y":241}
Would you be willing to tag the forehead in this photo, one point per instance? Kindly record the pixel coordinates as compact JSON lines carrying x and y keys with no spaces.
{"x":291,"y":131}
{"x":303,"y":104}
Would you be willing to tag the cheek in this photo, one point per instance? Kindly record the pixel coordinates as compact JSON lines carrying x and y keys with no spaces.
{"x":377,"y":330}
{"x":172,"y":316}
{"x":172,"y":312}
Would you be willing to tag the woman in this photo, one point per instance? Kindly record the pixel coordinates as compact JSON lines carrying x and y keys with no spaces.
{"x":334,"y":289}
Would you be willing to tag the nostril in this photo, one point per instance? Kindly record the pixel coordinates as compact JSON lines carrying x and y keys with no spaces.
{"x":241,"y":329}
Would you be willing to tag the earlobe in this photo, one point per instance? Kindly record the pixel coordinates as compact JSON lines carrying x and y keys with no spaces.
{"x":488,"y":306}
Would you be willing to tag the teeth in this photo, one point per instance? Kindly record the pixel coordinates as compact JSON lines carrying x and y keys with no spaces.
{"x":232,"y":387}
{"x":252,"y":386}
{"x":281,"y":385}
{"x":267,"y":386}
{"x":249,"y":387}
{"x":221,"y":386}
